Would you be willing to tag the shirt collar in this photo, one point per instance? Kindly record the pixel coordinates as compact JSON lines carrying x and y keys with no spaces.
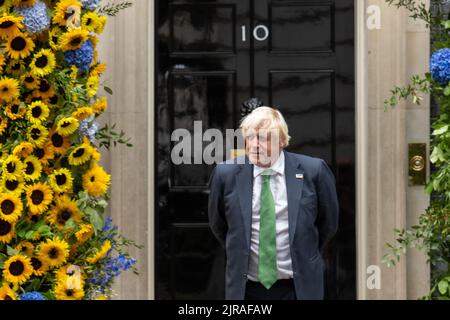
{"x":277,"y":167}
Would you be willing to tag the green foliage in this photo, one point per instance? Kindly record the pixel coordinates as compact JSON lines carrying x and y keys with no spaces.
{"x":432,"y":232}
{"x":112,"y":9}
{"x":106,"y":135}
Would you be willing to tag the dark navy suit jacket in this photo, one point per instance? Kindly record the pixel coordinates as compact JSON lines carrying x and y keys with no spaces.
{"x":313,"y":219}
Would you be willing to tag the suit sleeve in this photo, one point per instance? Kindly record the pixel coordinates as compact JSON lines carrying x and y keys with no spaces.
{"x":216,"y":207}
{"x":328,"y":214}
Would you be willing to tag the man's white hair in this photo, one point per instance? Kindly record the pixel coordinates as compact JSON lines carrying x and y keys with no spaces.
{"x":266,"y":118}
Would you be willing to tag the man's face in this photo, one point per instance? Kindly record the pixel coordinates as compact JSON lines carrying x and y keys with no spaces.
{"x":263,"y":146}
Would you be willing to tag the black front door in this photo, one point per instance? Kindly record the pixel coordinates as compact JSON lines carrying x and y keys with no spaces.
{"x":211,"y":56}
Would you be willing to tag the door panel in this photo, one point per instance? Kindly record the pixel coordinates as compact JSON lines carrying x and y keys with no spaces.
{"x":211,"y":56}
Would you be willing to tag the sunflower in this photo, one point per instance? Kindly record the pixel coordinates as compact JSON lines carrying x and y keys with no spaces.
{"x":33,"y":168}
{"x":43,"y":63}
{"x":23,"y":149}
{"x":64,"y":290}
{"x":3,"y":125}
{"x":26,"y":248}
{"x":15,"y":110}
{"x":53,"y":37}
{"x":44,"y":154}
{"x":100,"y":105}
{"x":9,"y":89}
{"x":38,"y":112}
{"x":2,"y":61}
{"x":61,"y":180}
{"x":6,"y":293}
{"x":39,"y":196}
{"x":7,"y":231}
{"x":44,"y":90}
{"x":13,"y":185}
{"x":59,"y":143}
{"x":101,"y":253}
{"x":54,"y":252}
{"x":10,"y":207}
{"x":30,"y":81}
{"x":63,"y":10}
{"x":12,"y":167}
{"x":98,"y":69}
{"x":67,"y":126}
{"x":15,"y":68}
{"x":96,"y":181}
{"x":92,"y":22}
{"x":80,"y":154}
{"x":82,"y":113}
{"x":24,"y":3}
{"x":52,"y":99}
{"x":85,"y":233}
{"x":73,"y":39}
{"x":37,"y":135}
{"x":64,"y":210}
{"x":92,"y":86}
{"x":40,"y":266}
{"x":10,"y":26}
{"x":17,"y":269}
{"x":19,"y":46}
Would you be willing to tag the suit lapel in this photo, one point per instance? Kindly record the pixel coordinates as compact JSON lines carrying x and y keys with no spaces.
{"x":244,"y":182}
{"x":294,"y":188}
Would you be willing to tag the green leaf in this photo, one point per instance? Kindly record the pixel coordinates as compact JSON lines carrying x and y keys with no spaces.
{"x":95,"y":219}
{"x":108,"y":90}
{"x":29,"y":235}
{"x":447,"y":91}
{"x":11,"y":252}
{"x":443,"y":287}
{"x":446,"y":24}
{"x":441,"y":130}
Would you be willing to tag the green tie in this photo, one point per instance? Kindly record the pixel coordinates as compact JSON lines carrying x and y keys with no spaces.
{"x":267,"y":267}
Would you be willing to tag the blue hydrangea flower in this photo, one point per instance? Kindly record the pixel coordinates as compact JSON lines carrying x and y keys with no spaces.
{"x":90,"y":4}
{"x":33,"y":295}
{"x":440,"y":66}
{"x":35,"y":18}
{"x":81,"y":58}
{"x":88,"y":129}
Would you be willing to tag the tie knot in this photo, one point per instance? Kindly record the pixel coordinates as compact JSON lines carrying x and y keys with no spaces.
{"x":266,"y":174}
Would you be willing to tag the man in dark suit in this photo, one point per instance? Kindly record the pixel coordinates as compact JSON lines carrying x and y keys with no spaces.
{"x":273,"y":211}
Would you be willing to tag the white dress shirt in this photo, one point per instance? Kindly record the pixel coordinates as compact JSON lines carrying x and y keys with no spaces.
{"x":278,"y":188}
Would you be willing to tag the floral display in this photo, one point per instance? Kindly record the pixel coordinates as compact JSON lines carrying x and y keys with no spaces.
{"x":54,"y":240}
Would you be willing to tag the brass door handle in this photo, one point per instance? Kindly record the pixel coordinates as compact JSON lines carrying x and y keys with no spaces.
{"x":417,"y":163}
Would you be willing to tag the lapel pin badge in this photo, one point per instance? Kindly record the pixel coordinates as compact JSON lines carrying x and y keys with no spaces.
{"x":299,"y":175}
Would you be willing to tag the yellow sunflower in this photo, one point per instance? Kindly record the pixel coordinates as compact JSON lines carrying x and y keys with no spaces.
{"x":6,"y":293}
{"x":92,"y":86}
{"x":96,"y":181}
{"x":23,"y":149}
{"x":10,"y":207}
{"x":12,"y":167}
{"x":67,"y":126}
{"x":100,"y":254}
{"x":40,"y":266}
{"x":10,"y":26}
{"x":80,"y":154}
{"x":2,"y":62}
{"x":13,"y":185}
{"x":53,"y":37}
{"x":85,"y":233}
{"x":82,"y":113}
{"x":17,"y":269}
{"x":100,"y":105}
{"x":92,"y":22}
{"x":19,"y":46}
{"x":54,"y":252}
{"x":63,"y":10}
{"x":9,"y":89}
{"x":26,"y":248}
{"x":7,"y":231}
{"x":15,"y":110}
{"x":53,"y":100}
{"x":65,"y":291}
{"x":37,"y":135}
{"x":64,"y":210}
{"x":44,"y":154}
{"x":24,"y":3}
{"x":43,"y":63}
{"x":33,"y":168}
{"x":61,"y":180}
{"x":44,"y":90}
{"x":58,"y":142}
{"x":15,"y":68}
{"x":3,"y":125}
{"x":39,"y":197}
{"x":98,"y":69}
{"x":73,"y":39}
{"x":38,"y":112}
{"x":30,"y":81}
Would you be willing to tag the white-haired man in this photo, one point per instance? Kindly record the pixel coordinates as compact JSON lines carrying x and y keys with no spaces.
{"x":273,"y":213}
